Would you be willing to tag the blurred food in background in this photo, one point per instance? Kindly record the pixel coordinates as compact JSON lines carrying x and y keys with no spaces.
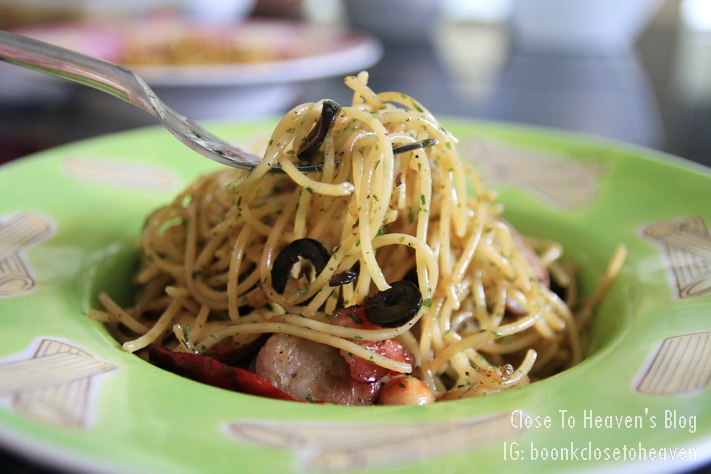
{"x":195,"y":46}
{"x":178,"y":41}
{"x":15,"y":15}
{"x":23,"y":13}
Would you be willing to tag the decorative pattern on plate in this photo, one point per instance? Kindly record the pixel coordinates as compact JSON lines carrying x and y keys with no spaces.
{"x":17,"y":234}
{"x":134,"y":175}
{"x":53,"y":386}
{"x":563,"y":183}
{"x":681,"y":364}
{"x":323,"y":447}
{"x":686,"y":245}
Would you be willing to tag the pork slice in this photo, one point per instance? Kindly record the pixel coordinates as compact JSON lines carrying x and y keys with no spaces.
{"x":539,"y":270}
{"x":311,"y":371}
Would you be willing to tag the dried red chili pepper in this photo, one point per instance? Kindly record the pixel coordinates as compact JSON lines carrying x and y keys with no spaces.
{"x":213,"y":372}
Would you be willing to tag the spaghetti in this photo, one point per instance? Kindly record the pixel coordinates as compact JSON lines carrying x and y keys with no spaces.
{"x":487,"y":321}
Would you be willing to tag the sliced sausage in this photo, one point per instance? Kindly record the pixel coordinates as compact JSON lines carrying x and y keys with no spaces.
{"x":311,"y":371}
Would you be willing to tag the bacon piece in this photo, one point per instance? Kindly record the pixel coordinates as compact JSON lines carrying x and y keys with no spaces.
{"x":539,"y":270}
{"x":363,"y":370}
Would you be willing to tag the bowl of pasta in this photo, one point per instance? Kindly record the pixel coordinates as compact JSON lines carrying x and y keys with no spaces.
{"x":442,"y":292}
{"x":215,"y":70}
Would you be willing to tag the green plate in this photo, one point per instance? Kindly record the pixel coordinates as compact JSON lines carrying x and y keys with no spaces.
{"x":71,"y":398}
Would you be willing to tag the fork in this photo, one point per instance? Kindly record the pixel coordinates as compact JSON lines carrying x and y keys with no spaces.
{"x":126,"y":85}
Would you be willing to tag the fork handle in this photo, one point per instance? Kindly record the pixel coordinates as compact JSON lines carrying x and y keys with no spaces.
{"x":66,"y":64}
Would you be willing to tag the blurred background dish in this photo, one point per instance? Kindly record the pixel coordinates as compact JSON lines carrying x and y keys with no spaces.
{"x":179,"y":52}
{"x":211,"y":70}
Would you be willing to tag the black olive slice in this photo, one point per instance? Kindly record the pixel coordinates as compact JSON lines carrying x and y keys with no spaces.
{"x":318,"y":133}
{"x":395,"y":306}
{"x":415,"y":145}
{"x":342,"y":278}
{"x":309,"y":249}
